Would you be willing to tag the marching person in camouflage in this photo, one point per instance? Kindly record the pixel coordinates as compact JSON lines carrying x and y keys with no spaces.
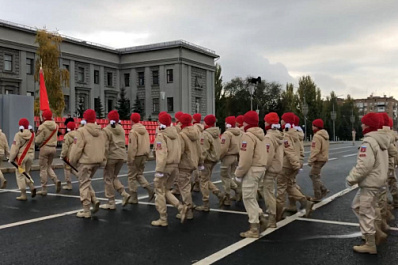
{"x":22,"y":153}
{"x":116,"y":155}
{"x":370,"y":173}
{"x":211,"y":146}
{"x":251,"y":170}
{"x":87,"y":155}
{"x":46,"y":138}
{"x":291,"y":166}
{"x":197,"y":117}
{"x":65,"y":153}
{"x":190,"y":157}
{"x":168,"y":156}
{"x":299,"y":145}
{"x":137,"y":155}
{"x":274,"y":153}
{"x":318,"y":158}
{"x":230,"y":143}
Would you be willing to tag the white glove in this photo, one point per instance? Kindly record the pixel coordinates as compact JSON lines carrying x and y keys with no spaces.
{"x":60,"y":157}
{"x":238,"y":179}
{"x":159,"y":175}
{"x":201,"y":167}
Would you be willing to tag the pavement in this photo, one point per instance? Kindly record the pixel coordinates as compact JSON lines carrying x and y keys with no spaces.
{"x":44,"y":230}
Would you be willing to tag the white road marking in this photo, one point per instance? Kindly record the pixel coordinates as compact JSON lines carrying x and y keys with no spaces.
{"x":37,"y":219}
{"x":327,"y":221}
{"x":331,"y":149}
{"x":244,"y":242}
{"x":345,"y":151}
{"x":351,"y":155}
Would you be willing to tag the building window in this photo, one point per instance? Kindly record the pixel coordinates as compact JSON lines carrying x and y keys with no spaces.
{"x":30,"y":94}
{"x":126,"y":80}
{"x":80,"y":74}
{"x":110,"y":105}
{"x":170,"y":77}
{"x":170,"y":104}
{"x":109,"y":79}
{"x":155,"y":77}
{"x":29,"y":66}
{"x":7,"y":62}
{"x":66,"y":99}
{"x":66,"y":66}
{"x":155,"y":105}
{"x":96,"y":77}
{"x":141,"y":79}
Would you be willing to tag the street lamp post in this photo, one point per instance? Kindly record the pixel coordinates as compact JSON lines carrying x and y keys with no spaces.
{"x":252,"y":82}
{"x":305,"y":112}
{"x":251,"y":91}
{"x":333,"y":116}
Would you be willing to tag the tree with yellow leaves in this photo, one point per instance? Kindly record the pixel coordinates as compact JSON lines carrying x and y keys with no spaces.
{"x":48,"y":55}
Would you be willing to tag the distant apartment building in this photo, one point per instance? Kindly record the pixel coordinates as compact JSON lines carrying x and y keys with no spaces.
{"x":378,"y":104}
{"x":169,"y":76}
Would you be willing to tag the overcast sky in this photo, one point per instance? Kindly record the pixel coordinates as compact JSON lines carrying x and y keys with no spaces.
{"x":346,"y":46}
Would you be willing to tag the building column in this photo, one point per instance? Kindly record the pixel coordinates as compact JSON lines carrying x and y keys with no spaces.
{"x":211,"y":107}
{"x":72,"y":84}
{"x":148,"y":93}
{"x":91,"y":84}
{"x":102,"y":86}
{"x":22,"y":73}
{"x":162,"y":88}
{"x":189,"y":87}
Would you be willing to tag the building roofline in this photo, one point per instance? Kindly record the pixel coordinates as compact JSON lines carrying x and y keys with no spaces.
{"x":133,"y":49}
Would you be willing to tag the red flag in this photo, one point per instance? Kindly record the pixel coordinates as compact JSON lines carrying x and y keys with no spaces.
{"x":44,"y":105}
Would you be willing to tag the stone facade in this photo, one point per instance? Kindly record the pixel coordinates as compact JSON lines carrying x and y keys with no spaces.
{"x":378,"y":104}
{"x":173,"y":74}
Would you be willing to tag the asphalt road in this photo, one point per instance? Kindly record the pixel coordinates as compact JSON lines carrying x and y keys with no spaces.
{"x":44,"y":230}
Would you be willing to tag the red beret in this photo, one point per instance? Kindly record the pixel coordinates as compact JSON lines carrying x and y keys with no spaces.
{"x":251,"y":118}
{"x":165,"y":119}
{"x":288,"y":117}
{"x":239,"y":120}
{"x":47,"y":115}
{"x":185,"y":119}
{"x":197,"y":117}
{"x":178,"y":115}
{"x":230,"y":120}
{"x":89,"y":116}
{"x":161,"y":113}
{"x":210,"y":120}
{"x":135,"y":117}
{"x":271,"y":118}
{"x":372,"y":120}
{"x":71,"y":125}
{"x":24,"y":122}
{"x":318,"y":123}
{"x":384,"y":119}
{"x":113,"y":116}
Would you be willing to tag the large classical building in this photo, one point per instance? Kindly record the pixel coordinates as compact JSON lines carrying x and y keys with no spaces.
{"x":378,"y":104}
{"x":168,"y":76}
